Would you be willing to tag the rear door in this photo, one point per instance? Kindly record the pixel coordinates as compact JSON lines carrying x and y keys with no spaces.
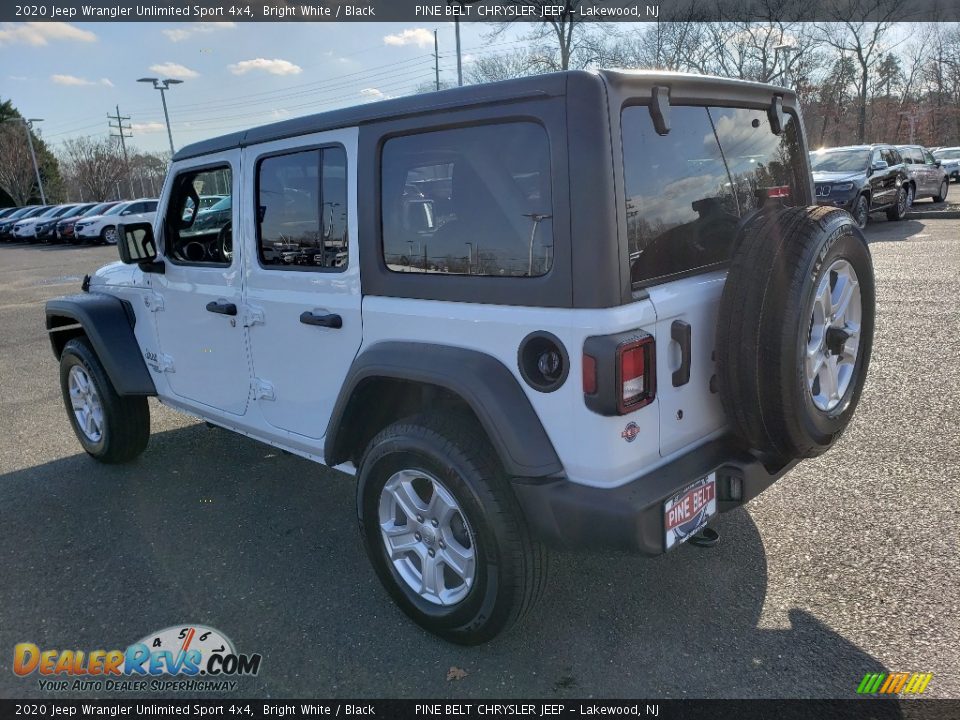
{"x":687,"y":194}
{"x":303,"y":282}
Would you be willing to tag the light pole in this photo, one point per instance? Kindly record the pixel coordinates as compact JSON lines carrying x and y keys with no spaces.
{"x":28,"y":126}
{"x":786,"y":49}
{"x":163,"y":86}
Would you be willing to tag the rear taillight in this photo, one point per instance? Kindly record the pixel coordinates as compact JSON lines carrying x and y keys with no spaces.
{"x":619,"y":372}
{"x":780,"y":191}
{"x":635,"y":377}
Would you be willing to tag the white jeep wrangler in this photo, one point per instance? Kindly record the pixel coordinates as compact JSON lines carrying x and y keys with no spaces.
{"x":581,"y":309}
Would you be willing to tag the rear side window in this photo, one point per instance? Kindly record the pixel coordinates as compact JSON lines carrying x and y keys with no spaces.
{"x":302,"y":210}
{"x":688,"y":190}
{"x":468,"y":201}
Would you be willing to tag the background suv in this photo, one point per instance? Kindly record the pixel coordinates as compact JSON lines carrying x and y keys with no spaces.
{"x":862,"y":179}
{"x":928,"y":179}
{"x":949,"y":158}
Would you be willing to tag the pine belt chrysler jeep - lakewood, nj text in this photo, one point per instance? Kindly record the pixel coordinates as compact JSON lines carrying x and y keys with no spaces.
{"x":587,"y":309}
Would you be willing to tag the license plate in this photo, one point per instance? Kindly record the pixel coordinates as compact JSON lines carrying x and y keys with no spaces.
{"x":688,"y":511}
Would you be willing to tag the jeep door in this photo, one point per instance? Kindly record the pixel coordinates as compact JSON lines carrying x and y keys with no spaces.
{"x":198,"y":296}
{"x":303,"y":282}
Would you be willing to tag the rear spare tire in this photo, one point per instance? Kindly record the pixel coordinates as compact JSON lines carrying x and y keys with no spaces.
{"x":795,"y":330}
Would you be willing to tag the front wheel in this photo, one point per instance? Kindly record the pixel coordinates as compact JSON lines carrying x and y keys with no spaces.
{"x":899,"y":209}
{"x":944,"y":188}
{"x":861,"y":211}
{"x":109,"y":235}
{"x":444,"y":532}
{"x":110,"y":427}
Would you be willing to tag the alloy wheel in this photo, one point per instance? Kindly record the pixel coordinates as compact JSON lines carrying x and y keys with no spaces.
{"x":834,"y":338}
{"x":85,"y":402}
{"x":427,"y":538}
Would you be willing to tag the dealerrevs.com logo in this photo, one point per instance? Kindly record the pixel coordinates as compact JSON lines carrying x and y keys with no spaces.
{"x":186,"y":658}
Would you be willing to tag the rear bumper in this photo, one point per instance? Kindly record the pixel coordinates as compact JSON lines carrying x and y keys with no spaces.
{"x":630,"y":517}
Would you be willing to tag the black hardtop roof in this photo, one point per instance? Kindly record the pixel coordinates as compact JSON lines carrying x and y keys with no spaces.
{"x":547,"y":85}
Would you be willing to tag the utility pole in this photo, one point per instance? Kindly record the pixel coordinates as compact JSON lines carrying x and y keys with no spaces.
{"x":122,"y":134}
{"x":912,"y":116}
{"x":28,"y":126}
{"x":436,"y":57}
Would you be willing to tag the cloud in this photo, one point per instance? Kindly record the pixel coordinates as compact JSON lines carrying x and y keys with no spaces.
{"x":373,"y":94}
{"x":174,"y":70}
{"x":38,"y":34}
{"x":18,"y":78}
{"x":182,"y":33}
{"x":79,"y":81}
{"x":421,"y":37}
{"x":148,"y":127}
{"x":274,"y":67}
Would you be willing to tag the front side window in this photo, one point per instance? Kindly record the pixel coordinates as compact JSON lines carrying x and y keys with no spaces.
{"x":195,"y":236}
{"x":302,"y":210}
{"x":685,"y":197}
{"x":469,"y":201}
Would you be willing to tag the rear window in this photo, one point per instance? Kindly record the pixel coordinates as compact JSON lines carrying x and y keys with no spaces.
{"x":468,"y":201}
{"x":687,"y":191}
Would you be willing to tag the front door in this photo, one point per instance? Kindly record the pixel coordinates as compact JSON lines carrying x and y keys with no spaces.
{"x":199,"y":313}
{"x":303,"y":283}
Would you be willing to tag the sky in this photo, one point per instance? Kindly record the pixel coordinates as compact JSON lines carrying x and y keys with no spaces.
{"x":235,"y":75}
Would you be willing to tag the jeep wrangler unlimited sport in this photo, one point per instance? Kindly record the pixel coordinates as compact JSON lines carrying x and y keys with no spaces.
{"x":588,"y":309}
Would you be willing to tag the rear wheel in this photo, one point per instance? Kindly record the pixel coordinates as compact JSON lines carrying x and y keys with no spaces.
{"x":110,"y":427}
{"x":944,"y":188}
{"x":910,"y":197}
{"x":444,"y":532}
{"x":795,"y":331}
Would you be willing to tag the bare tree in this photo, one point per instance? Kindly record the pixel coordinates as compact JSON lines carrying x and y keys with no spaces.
{"x":490,"y":68}
{"x":17,"y":176}
{"x":861,"y":30}
{"x":96,"y":164}
{"x":556,"y":40}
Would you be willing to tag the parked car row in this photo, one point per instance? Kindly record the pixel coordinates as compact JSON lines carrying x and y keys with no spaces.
{"x":73,"y":222}
{"x":865,"y":179}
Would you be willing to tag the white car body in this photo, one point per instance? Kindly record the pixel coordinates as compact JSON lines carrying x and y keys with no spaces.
{"x":950,"y":164}
{"x":25,"y":229}
{"x":95,"y":228}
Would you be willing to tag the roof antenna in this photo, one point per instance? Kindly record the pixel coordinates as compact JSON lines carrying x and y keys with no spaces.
{"x":660,"y":109}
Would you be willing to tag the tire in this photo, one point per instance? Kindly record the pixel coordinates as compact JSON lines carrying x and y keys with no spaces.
{"x":861,"y":211}
{"x":768,"y":321}
{"x":108,"y":236}
{"x":944,"y":189}
{"x":509,"y":566}
{"x":899,"y":209}
{"x":910,"y":196}
{"x":124,"y":426}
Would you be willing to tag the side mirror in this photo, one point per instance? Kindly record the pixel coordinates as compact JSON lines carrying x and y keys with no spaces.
{"x":880,"y":165}
{"x":137,"y":246}
{"x":938,"y":163}
{"x":125,"y":212}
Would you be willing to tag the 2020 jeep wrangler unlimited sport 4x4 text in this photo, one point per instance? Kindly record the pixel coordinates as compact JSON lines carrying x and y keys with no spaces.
{"x":588,"y":309}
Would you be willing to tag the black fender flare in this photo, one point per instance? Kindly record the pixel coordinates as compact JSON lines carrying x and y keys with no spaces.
{"x":480,"y":380}
{"x":108,"y":323}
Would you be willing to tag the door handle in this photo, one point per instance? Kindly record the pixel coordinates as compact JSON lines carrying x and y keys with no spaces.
{"x":221,"y":307}
{"x":331,"y":320}
{"x":680,"y":333}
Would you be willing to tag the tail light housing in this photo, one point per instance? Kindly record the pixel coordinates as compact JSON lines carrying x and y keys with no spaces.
{"x":619,"y":372}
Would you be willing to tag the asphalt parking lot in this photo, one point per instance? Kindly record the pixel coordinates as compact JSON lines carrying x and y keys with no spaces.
{"x":846,"y":566}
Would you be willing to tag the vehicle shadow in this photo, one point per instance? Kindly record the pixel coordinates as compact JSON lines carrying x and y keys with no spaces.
{"x":210,"y":527}
{"x":881,"y":230}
